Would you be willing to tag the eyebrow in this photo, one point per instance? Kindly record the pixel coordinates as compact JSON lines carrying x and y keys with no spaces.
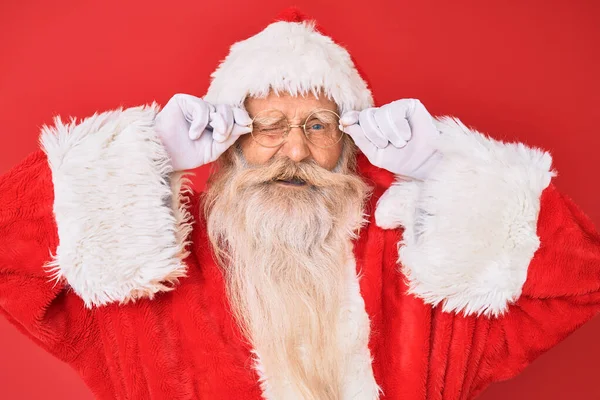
{"x":327,"y":117}
{"x":268,"y":120}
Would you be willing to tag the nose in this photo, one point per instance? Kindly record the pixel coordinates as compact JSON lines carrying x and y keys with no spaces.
{"x":296,"y":145}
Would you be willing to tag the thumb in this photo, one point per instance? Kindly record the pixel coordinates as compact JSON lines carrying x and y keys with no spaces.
{"x":239,"y":130}
{"x":241,"y":117}
{"x":364,"y":144}
{"x":219,"y":148}
{"x":243,"y":123}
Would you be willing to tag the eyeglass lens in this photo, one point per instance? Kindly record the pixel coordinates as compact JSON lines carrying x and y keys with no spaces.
{"x":270,"y":128}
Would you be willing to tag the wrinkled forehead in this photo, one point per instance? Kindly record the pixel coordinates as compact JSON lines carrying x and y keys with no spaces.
{"x":293,"y":106}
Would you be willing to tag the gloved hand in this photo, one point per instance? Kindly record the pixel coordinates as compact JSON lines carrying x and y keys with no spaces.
{"x":398,"y":137}
{"x":195,"y":132}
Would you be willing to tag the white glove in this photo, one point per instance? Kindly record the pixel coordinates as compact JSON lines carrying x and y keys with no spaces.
{"x":195,"y":132}
{"x":398,"y":137}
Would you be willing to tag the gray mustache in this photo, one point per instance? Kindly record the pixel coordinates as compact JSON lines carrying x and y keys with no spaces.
{"x":286,"y":169}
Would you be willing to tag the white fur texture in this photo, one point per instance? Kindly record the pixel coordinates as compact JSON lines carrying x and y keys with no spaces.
{"x":289,"y":57}
{"x":470,"y":227}
{"x":121,"y":222}
{"x":358,"y":382}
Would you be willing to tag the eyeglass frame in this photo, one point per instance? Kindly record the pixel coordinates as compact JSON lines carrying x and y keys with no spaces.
{"x":290,"y":127}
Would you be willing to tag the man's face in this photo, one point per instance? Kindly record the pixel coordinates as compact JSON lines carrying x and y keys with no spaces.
{"x":296,"y":147}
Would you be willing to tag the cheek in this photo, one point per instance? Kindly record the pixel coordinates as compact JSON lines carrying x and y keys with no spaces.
{"x":327,"y":158}
{"x":254,"y":153}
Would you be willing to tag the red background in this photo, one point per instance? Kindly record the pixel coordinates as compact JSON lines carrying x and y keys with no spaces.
{"x":518,"y":70}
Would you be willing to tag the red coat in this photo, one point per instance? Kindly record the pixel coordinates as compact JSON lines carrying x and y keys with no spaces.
{"x":429,"y":337}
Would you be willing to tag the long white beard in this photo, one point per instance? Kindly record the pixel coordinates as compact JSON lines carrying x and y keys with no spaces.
{"x":283,"y":252}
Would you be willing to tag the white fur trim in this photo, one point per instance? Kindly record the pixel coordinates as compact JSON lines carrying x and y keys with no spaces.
{"x":358,"y":379}
{"x":121,"y":218}
{"x":470,"y":227}
{"x":289,"y":57}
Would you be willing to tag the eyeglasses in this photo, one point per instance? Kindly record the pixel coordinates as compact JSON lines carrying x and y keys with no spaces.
{"x":270,"y":128}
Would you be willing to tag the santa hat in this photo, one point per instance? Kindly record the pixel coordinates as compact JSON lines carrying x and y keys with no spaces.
{"x":293,"y":56}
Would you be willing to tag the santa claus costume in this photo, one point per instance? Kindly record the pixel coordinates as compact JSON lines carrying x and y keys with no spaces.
{"x":453,"y":282}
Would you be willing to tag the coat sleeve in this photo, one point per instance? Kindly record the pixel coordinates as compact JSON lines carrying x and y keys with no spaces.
{"x":96,"y":216}
{"x":38,"y":305}
{"x":561,"y":293}
{"x":488,"y":234}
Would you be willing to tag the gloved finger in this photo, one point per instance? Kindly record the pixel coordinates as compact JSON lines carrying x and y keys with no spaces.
{"x":364,"y":144}
{"x":402,"y":107}
{"x":243,"y":122}
{"x":239,"y":130}
{"x":199,"y":113}
{"x":185,"y":104}
{"x":423,"y":121}
{"x":400,"y":114}
{"x":349,"y":118}
{"x":371,"y":129}
{"x":222,"y":122}
{"x":392,"y":126}
{"x":241,"y":117}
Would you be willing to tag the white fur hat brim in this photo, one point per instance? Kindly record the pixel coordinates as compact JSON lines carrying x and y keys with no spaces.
{"x":290,"y":57}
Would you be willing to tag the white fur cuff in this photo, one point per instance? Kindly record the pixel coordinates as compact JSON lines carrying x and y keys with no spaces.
{"x":121,"y":227}
{"x":470,"y":228}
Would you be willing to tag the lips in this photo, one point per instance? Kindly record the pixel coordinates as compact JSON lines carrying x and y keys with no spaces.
{"x":293,"y":181}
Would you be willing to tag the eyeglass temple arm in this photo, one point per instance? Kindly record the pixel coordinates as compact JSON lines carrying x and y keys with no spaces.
{"x":291,"y":126}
